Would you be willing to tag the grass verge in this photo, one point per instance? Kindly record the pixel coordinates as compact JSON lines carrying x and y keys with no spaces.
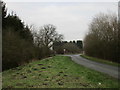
{"x":56,"y":72}
{"x":100,"y":60}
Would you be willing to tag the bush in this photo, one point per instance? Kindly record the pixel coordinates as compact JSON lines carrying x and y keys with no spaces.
{"x":16,"y":50}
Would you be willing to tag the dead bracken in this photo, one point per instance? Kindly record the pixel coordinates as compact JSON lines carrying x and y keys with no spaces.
{"x":34,"y":68}
{"x":61,"y":72}
{"x":24,"y":77}
{"x":60,"y":83}
{"x":43,"y":68}
{"x":65,"y":75}
{"x":45,"y":84}
{"x":40,"y":64}
{"x":49,"y":66}
{"x":28,"y":71}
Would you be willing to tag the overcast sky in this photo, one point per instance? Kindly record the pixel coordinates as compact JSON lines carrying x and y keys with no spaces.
{"x":70,"y":18}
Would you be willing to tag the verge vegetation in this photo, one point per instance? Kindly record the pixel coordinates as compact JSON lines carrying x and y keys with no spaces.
{"x":100,"y":60}
{"x":56,"y":72}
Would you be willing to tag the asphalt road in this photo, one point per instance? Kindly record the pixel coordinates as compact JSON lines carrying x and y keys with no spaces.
{"x":107,"y":69}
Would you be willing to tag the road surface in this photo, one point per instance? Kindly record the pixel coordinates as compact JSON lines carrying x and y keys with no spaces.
{"x":107,"y":69}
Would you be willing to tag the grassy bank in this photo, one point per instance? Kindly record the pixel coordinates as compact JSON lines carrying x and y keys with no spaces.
{"x":56,"y":72}
{"x":100,"y":60}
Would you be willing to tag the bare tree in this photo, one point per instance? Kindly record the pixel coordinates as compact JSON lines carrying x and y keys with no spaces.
{"x":102,"y":38}
{"x":47,"y":35}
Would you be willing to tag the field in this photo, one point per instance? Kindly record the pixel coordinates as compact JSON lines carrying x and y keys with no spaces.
{"x":56,"y":72}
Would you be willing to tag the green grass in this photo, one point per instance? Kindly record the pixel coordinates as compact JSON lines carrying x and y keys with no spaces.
{"x":100,"y":60}
{"x":56,"y":72}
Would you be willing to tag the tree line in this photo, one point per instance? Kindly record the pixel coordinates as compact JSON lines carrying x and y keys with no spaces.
{"x":20,"y":44}
{"x":102,"y":40}
{"x":71,"y":47}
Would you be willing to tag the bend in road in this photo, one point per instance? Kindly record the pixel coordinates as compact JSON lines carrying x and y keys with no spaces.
{"x":104,"y":68}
